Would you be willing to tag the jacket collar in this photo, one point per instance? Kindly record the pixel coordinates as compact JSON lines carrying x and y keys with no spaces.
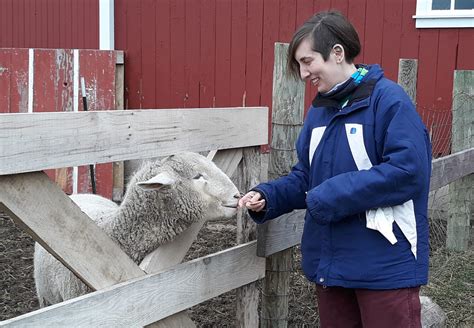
{"x":363,"y":91}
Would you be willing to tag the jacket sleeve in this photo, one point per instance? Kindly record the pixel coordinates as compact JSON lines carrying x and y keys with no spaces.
{"x":402,"y":174}
{"x":286,"y":193}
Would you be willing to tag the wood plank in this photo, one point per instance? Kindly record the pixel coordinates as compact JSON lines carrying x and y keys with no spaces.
{"x":444,"y":76}
{"x":98,"y":69}
{"x":461,"y":192}
{"x":373,"y":32}
{"x":392,"y":26}
{"x":253,"y":74}
{"x":163,"y":60}
{"x":118,"y":167}
{"x":94,"y":36}
{"x":192,"y":52}
{"x":18,"y":24}
{"x":148,"y":299}
{"x":41,"y":208}
{"x":291,"y":92}
{"x":238,"y":52}
{"x":177,"y":52}
{"x":410,"y":34}
{"x":252,"y":170}
{"x":356,"y":15}
{"x":407,"y":76}
{"x":19,"y":80}
{"x":77,"y":14}
{"x":321,"y":5}
{"x":287,"y":20}
{"x":465,"y":50}
{"x":427,"y":60}
{"x":223,"y":52}
{"x":120,"y":18}
{"x":45,"y":80}
{"x":55,"y":31}
{"x":280,"y":233}
{"x":451,"y":168}
{"x":134,"y":54}
{"x":5,"y":80}
{"x":341,"y":5}
{"x":148,"y":46}
{"x":304,"y":10}
{"x":5,"y":23}
{"x":47,"y":140}
{"x":271,"y":27}
{"x":207,"y":68}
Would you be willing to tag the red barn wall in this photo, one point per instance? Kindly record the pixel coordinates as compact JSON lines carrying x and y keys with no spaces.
{"x":52,"y":74}
{"x":220,"y":52}
{"x":205,"y":53}
{"x":49,"y":24}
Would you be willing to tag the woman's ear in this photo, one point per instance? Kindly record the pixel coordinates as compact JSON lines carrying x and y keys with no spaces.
{"x":339,"y":52}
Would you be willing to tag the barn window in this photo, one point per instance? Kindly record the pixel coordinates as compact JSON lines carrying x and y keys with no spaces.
{"x":444,"y":13}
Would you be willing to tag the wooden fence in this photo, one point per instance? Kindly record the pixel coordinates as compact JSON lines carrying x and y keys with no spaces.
{"x":160,"y":288}
{"x":125,"y":295}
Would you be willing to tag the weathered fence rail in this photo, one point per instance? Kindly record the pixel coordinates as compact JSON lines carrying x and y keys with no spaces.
{"x":39,"y":141}
{"x":147,"y":299}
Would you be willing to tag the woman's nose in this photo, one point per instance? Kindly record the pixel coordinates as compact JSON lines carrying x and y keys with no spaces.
{"x":304,"y":73}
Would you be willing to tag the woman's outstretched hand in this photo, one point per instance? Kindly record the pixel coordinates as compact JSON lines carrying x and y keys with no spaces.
{"x":252,"y":201}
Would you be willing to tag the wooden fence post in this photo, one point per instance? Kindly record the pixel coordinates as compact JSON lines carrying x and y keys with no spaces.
{"x":461,"y":192}
{"x":118,"y":167}
{"x":252,"y":170}
{"x":407,"y":73}
{"x":287,"y":120}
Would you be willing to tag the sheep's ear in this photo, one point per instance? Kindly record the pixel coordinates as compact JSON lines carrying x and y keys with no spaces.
{"x":159,"y":181}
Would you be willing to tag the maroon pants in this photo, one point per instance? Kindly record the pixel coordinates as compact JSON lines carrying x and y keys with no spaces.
{"x":346,"y":308}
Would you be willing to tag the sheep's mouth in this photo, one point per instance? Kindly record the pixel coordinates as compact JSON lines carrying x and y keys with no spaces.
{"x":229,"y":205}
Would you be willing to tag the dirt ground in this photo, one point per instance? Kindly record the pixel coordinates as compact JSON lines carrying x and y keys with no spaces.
{"x":451,"y":282}
{"x":18,"y":295}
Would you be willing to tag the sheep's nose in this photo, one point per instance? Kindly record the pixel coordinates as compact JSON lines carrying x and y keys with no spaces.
{"x":239,"y":195}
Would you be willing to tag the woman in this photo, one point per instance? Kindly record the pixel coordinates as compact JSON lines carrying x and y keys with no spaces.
{"x":364,"y":164}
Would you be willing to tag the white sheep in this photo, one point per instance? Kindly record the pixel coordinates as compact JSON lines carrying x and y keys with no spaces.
{"x":163,"y":199}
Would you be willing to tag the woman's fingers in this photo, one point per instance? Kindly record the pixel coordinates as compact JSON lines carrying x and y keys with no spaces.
{"x":245,"y":199}
{"x":252,"y":201}
{"x":256,"y":206}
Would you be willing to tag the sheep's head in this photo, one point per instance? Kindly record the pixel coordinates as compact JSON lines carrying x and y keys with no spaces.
{"x":198,"y":178}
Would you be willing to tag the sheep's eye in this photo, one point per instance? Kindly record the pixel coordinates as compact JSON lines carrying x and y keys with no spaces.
{"x":197,"y":176}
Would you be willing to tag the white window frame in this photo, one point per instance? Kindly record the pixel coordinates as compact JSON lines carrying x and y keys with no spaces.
{"x":428,"y":18}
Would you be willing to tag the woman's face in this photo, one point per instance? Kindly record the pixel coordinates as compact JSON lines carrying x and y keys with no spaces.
{"x":313,"y":68}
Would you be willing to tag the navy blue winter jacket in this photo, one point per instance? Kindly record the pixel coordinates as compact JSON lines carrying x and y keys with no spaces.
{"x":371,"y":157}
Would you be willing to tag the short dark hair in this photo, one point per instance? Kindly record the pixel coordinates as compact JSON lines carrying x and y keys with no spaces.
{"x":325,"y":30}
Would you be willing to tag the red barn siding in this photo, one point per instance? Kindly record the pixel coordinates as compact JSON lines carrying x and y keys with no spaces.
{"x":220,"y":52}
{"x":53,"y":91}
{"x":205,"y":53}
{"x":49,"y":24}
